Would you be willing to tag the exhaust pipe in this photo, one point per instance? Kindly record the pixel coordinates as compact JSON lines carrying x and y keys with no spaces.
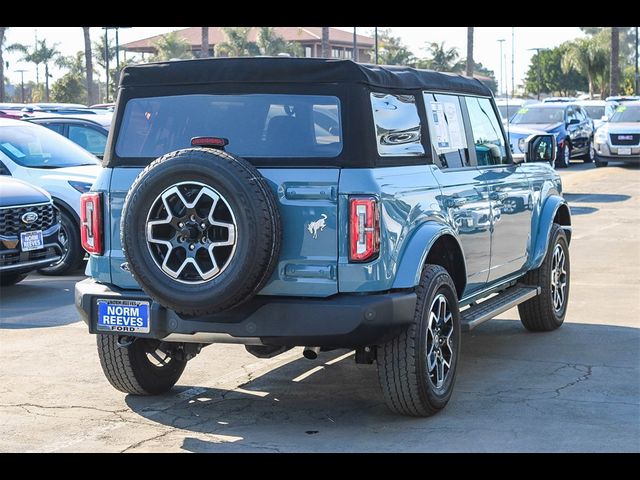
{"x":311,"y":353}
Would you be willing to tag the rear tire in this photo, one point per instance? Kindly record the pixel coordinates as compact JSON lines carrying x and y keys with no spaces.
{"x":546,"y":311}
{"x":8,"y":279}
{"x":412,"y":368}
{"x":73,"y":253}
{"x":131,"y":369}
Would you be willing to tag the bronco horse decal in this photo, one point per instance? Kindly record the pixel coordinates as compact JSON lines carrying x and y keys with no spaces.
{"x":317,"y":226}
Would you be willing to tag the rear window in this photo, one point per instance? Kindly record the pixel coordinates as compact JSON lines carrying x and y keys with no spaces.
{"x":259,"y":125}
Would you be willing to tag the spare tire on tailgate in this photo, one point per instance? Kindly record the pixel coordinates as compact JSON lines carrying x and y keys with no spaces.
{"x":201,"y":231}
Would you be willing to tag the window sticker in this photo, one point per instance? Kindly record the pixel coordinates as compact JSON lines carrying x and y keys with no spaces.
{"x":523,"y":111}
{"x":13,"y":150}
{"x":447,"y":125}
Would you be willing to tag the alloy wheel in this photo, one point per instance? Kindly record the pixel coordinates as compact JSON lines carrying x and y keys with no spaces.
{"x":439,"y":341}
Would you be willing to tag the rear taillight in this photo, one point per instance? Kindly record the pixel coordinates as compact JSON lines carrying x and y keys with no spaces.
{"x":91,"y":222}
{"x":364,"y":229}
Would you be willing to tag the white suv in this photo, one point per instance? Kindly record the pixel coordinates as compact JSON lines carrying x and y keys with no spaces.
{"x":43,"y":158}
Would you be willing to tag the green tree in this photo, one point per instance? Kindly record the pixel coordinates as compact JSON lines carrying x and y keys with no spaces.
{"x":270,"y":43}
{"x":171,"y":46}
{"x":391,"y":50}
{"x":588,"y":56}
{"x":100,"y":52}
{"x":554,"y":78}
{"x":442,"y":59}
{"x":69,"y":88}
{"x":41,"y":53}
{"x":614,"y":66}
{"x":238,"y":43}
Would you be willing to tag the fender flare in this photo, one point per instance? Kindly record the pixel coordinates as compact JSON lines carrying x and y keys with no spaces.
{"x":416,"y":251}
{"x":62,"y":205}
{"x":545,"y":221}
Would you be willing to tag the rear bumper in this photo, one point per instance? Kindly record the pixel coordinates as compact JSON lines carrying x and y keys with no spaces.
{"x":338,"y":321}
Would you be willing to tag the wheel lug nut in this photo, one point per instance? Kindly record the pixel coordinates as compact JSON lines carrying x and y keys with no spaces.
{"x":181,"y":224}
{"x":191,"y":247}
{"x":193,"y":218}
{"x":202,"y":225}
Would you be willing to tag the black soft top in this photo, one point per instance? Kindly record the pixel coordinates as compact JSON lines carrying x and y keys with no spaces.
{"x":295,"y":70}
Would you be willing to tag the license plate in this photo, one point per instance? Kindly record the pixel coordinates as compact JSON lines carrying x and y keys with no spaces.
{"x":624,"y":151}
{"x":127,"y":316}
{"x":31,"y":240}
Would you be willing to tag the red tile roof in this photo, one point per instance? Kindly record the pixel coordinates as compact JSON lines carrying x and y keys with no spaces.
{"x":216,"y":35}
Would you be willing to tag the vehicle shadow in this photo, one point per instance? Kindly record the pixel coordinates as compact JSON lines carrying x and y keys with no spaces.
{"x":512,"y":384}
{"x":43,"y":300}
{"x":595,"y":197}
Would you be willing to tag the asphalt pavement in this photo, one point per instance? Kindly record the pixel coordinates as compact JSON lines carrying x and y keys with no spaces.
{"x":574,"y":389}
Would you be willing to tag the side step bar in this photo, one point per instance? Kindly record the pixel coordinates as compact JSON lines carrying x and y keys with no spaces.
{"x":509,"y":298}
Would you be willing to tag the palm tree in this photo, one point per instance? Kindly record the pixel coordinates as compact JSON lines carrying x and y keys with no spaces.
{"x":238,"y":43}
{"x":442,"y":59}
{"x":470,"y":64}
{"x":614,"y":71}
{"x":88,"y":63}
{"x":3,"y":30}
{"x":270,"y":43}
{"x":40,"y":54}
{"x":204,"y":42}
{"x":171,"y":46}
{"x":588,"y":57}
{"x":325,"y":43}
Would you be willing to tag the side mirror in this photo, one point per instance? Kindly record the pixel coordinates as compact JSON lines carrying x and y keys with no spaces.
{"x":541,"y":148}
{"x":573,"y":121}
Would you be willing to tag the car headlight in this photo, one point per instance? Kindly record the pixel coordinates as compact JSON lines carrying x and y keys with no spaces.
{"x":600,"y":137}
{"x":82,"y":187}
{"x":521,"y":144}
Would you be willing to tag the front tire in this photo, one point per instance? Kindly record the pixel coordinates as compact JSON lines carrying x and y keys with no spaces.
{"x":546,"y":311}
{"x":140,"y":368}
{"x":600,"y":163}
{"x":564,"y":157}
{"x":72,"y":251}
{"x":417,"y":369}
{"x":591,"y":153}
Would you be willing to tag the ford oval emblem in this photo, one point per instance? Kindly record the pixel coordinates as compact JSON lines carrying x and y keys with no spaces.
{"x":29,"y":217}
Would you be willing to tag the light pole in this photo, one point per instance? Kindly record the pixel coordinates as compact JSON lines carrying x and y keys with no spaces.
{"x":501,"y":41}
{"x":513,"y":61}
{"x":375,"y":33}
{"x":637,"y":76}
{"x":21,"y":72}
{"x":538,"y":50}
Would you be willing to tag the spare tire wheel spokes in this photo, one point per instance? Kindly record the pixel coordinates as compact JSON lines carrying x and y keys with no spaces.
{"x":185,"y":225}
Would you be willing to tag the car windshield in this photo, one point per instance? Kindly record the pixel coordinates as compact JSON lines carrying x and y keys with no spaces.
{"x":538,"y":115}
{"x":34,"y":146}
{"x":625,"y":113}
{"x":260,"y":125}
{"x":506,"y":111}
{"x":594,"y":111}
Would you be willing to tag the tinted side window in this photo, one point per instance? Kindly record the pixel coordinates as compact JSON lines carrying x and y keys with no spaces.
{"x":397,"y":125}
{"x":3,"y":169}
{"x":88,"y":138}
{"x":488,"y":139}
{"x":56,"y":127}
{"x":447,"y":130}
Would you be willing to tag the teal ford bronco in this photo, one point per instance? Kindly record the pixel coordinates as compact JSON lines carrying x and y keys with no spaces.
{"x":282,"y":202}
